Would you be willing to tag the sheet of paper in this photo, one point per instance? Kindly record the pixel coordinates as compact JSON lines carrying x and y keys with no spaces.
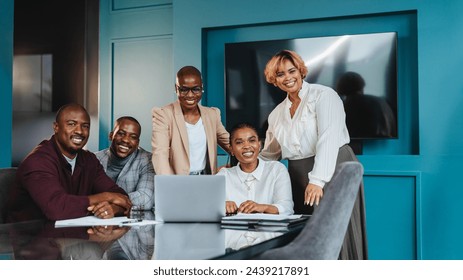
{"x":142,"y":223}
{"x":271,"y":217}
{"x":94,"y":221}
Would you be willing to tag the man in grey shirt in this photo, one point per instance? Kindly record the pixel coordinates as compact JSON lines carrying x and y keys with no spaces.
{"x":128,"y":164}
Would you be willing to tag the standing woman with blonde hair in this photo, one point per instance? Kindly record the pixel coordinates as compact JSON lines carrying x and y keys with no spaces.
{"x":309,"y":129}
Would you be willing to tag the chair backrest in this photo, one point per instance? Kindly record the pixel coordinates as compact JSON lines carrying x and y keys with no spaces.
{"x":323,"y":235}
{"x":7,"y":179}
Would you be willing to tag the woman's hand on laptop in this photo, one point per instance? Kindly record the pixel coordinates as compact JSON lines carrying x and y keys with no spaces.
{"x":230,"y":207}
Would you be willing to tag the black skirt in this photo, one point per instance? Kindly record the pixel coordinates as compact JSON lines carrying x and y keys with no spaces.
{"x":355,"y":241}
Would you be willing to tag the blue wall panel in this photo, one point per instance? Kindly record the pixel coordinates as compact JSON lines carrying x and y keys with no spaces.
{"x":392,"y":220}
{"x":6,"y":79}
{"x":139,"y":81}
{"x":135,"y":62}
{"x":137,"y":4}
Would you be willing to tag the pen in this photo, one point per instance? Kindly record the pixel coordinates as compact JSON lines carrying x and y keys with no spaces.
{"x":132,"y":221}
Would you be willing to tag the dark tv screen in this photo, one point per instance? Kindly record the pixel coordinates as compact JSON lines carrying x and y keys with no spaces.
{"x":361,"y":68}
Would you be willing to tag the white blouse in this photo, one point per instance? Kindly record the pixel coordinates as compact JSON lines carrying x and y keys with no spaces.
{"x":318,"y":128}
{"x":268,"y":184}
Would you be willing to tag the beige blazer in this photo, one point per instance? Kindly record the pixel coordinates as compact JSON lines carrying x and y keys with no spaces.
{"x":170,"y":139}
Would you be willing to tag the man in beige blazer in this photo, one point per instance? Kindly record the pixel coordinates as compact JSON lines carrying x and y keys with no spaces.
{"x":186,"y":134}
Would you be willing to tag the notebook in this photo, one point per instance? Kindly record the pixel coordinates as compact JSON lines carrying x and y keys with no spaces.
{"x":189,"y":198}
{"x":264,"y":222}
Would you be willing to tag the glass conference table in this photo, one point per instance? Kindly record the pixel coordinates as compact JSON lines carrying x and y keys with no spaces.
{"x":168,"y":241}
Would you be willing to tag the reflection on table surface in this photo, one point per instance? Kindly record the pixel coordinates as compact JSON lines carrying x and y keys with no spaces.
{"x":188,"y":241}
{"x":41,"y":240}
{"x":240,"y":239}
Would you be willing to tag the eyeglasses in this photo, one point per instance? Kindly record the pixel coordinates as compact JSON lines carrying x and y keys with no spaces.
{"x":186,"y":90}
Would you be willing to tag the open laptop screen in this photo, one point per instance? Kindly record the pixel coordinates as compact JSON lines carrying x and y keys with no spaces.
{"x":189,"y":198}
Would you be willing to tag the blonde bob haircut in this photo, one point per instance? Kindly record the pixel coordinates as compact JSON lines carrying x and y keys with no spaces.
{"x":277,"y":60}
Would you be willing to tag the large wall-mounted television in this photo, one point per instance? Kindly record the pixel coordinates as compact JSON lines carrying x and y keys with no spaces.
{"x":362,"y":68}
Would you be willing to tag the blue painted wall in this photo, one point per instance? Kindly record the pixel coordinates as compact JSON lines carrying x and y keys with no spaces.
{"x":6,"y":80}
{"x":413,"y":193}
{"x":135,"y":63}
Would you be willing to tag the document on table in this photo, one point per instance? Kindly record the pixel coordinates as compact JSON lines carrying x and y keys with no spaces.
{"x":91,"y":221}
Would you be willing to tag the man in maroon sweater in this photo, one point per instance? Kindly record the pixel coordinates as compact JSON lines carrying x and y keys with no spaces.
{"x":59,"y":180}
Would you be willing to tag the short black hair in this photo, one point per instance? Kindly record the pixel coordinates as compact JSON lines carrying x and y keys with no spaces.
{"x":64,"y":107}
{"x":240,"y":126}
{"x":128,"y":118}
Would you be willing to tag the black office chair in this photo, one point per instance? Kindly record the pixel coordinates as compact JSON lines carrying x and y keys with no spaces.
{"x":323,"y":235}
{"x":7,"y":178}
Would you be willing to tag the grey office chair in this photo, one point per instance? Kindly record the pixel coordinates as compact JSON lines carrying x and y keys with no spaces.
{"x":7,"y":178}
{"x":323,"y":235}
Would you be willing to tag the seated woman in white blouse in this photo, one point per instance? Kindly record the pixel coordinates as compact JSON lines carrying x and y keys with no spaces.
{"x":255,"y":186}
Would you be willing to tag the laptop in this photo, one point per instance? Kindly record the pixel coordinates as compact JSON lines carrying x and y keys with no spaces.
{"x":189,"y":198}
